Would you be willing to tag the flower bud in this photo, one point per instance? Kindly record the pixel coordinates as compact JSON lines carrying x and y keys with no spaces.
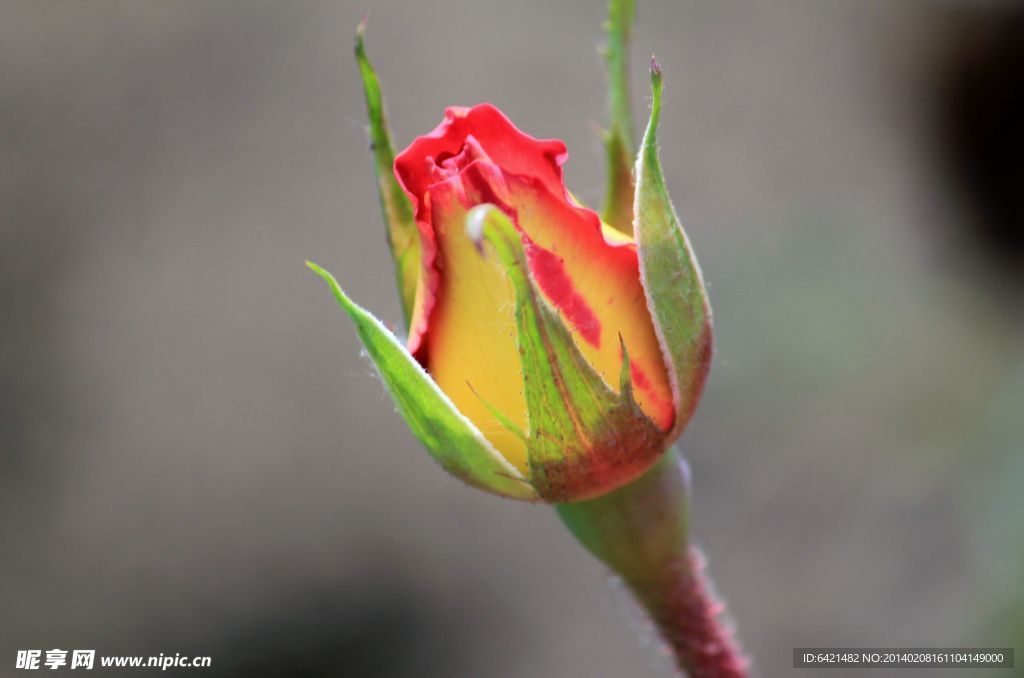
{"x":550,"y":355}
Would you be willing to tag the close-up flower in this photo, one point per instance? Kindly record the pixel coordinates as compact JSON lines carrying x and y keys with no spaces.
{"x":548,"y":347}
{"x":397,"y":358}
{"x":551,"y":355}
{"x":578,"y":351}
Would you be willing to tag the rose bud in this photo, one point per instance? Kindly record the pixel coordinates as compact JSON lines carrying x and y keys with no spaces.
{"x":549,"y":355}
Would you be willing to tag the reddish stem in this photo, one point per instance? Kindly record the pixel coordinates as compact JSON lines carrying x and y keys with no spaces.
{"x":689,"y":617}
{"x":640,"y":532}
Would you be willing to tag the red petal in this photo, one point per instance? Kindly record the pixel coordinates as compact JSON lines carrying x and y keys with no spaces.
{"x":592,"y":280}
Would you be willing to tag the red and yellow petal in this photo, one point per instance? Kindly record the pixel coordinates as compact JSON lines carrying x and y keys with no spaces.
{"x":508,"y":148}
{"x":471,"y":342}
{"x":463,"y":327}
{"x":596,"y":287}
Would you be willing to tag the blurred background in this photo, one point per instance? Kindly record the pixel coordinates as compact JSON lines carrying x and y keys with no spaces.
{"x":194,"y":457}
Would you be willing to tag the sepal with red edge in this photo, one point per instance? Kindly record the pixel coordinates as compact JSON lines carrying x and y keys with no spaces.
{"x":584,"y":438}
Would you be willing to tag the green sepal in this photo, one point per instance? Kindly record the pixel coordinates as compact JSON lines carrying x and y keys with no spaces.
{"x":617,"y":209}
{"x":452,"y":439}
{"x":584,"y":439}
{"x":403,"y":236}
{"x":670,"y":275}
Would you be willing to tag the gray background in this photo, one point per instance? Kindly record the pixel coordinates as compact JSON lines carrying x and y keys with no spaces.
{"x":195,"y":458}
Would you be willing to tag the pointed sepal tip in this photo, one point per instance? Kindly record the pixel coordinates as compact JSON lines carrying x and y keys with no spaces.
{"x":450,"y":438}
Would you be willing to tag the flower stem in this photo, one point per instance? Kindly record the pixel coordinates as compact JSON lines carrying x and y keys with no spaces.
{"x":688,"y":614}
{"x":640,"y":532}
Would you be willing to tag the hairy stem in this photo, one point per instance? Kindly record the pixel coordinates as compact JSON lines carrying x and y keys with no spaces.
{"x":640,"y":532}
{"x":688,"y":615}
